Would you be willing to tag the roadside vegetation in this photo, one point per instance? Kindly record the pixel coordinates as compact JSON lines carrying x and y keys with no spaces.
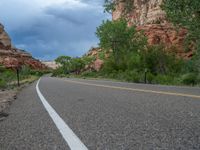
{"x":8,"y":77}
{"x":132,"y":59}
{"x":70,"y":65}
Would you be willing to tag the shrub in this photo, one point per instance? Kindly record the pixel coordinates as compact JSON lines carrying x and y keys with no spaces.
{"x":57,"y":72}
{"x":6,"y":77}
{"x":102,"y":55}
{"x":89,"y":74}
{"x":2,"y":84}
{"x":25,"y":71}
{"x":109,"y":66}
{"x":190,"y":79}
{"x":164,"y":79}
{"x":130,"y":76}
{"x":150,"y":77}
{"x":158,"y":61}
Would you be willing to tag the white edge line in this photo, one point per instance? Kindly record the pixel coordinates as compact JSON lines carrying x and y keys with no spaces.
{"x":69,"y":136}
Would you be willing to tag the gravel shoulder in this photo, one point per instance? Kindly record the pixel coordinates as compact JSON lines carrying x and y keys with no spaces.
{"x":7,"y":97}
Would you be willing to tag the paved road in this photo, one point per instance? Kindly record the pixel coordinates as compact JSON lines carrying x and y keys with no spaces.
{"x":103,"y":115}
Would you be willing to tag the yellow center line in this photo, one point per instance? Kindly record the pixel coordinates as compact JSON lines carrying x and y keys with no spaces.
{"x":136,"y":90}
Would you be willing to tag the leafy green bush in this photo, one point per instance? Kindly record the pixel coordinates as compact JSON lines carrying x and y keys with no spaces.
{"x":25,"y":71}
{"x":158,"y":61}
{"x":133,"y":76}
{"x":190,"y":79}
{"x":89,"y":74}
{"x":109,"y":66}
{"x":58,"y":71}
{"x":130,"y":76}
{"x":164,"y":79}
{"x":134,"y":62}
{"x":150,"y":77}
{"x":2,"y":84}
{"x":6,"y":77}
{"x":102,"y":55}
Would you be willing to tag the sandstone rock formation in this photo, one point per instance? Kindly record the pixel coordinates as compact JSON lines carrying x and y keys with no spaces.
{"x":148,"y":16}
{"x":51,"y":64}
{"x":143,"y":12}
{"x":4,"y":38}
{"x":98,"y":63}
{"x":12,"y":57}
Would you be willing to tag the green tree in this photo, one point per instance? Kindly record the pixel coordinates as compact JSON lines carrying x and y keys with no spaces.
{"x":65,"y":61}
{"x":185,"y":13}
{"x":121,"y":39}
{"x":158,"y":61}
{"x":77,"y":64}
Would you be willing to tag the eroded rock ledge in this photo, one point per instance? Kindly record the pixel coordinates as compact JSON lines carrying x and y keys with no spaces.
{"x":10,"y":56}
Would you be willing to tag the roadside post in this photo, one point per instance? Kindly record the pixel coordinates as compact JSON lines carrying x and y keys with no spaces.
{"x":17,"y":71}
{"x":145,"y":75}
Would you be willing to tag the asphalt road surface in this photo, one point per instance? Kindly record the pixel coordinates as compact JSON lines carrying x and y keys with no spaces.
{"x":78,"y":114}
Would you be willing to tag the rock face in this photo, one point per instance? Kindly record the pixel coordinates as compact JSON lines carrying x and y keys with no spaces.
{"x":143,"y":12}
{"x":4,"y":38}
{"x":98,"y":63}
{"x":148,"y":16}
{"x":51,"y":64}
{"x":12,"y":57}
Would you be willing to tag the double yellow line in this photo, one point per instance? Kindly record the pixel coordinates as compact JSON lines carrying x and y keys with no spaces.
{"x":135,"y":89}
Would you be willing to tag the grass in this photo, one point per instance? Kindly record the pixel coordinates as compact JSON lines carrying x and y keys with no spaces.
{"x":28,"y":80}
{"x":8,"y":78}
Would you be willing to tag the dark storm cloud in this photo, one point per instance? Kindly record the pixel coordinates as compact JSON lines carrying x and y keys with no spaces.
{"x":60,"y":29}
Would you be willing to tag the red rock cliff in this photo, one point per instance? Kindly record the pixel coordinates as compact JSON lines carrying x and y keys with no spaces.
{"x":148,"y":16}
{"x":11,"y":57}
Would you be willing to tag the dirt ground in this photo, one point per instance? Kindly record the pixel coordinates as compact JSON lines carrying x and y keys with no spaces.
{"x":6,"y":98}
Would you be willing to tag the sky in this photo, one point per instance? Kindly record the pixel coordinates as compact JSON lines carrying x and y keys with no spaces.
{"x":50,"y":28}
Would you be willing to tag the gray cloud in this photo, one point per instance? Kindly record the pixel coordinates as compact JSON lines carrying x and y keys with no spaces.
{"x":58,"y":29}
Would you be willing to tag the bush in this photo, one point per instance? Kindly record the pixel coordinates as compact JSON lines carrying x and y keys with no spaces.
{"x":109,"y":66}
{"x":130,"y":76}
{"x":164,"y":79}
{"x":150,"y":77}
{"x":190,"y":79}
{"x":2,"y":84}
{"x":57,"y":72}
{"x":89,"y":74}
{"x":6,"y":77}
{"x":158,"y":61}
{"x":25,"y":71}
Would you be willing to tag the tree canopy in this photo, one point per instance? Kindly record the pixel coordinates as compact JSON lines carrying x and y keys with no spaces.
{"x":121,"y":39}
{"x":185,"y":13}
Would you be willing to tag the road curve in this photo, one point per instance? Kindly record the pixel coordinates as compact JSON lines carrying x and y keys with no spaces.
{"x":103,"y":115}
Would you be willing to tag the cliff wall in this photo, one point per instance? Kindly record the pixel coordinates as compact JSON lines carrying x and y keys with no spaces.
{"x":11,"y":57}
{"x":148,"y":16}
{"x":143,"y":12}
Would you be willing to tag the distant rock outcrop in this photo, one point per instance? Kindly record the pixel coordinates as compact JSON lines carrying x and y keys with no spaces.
{"x":51,"y":64}
{"x":12,"y":57}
